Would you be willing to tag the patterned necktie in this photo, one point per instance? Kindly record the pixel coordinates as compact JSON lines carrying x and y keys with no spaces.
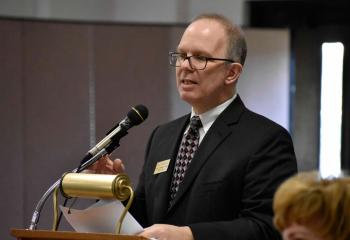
{"x":188,"y":147}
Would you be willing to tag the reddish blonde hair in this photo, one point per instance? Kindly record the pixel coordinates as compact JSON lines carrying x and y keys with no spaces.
{"x":323,"y":205}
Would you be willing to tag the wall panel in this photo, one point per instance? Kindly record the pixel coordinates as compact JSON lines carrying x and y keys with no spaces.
{"x":131,"y":68}
{"x":11,"y":122}
{"x":56,"y":129}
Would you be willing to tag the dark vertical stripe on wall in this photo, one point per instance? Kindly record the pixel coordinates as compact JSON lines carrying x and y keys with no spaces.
{"x":346,"y":103}
{"x":292,"y":85}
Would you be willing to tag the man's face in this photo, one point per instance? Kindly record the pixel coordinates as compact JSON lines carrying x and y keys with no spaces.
{"x":204,"y":89}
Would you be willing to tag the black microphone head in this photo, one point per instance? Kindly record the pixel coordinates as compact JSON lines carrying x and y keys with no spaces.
{"x":137,"y":114}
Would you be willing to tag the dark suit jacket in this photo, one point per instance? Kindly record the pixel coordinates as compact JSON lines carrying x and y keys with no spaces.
{"x":228,"y":188}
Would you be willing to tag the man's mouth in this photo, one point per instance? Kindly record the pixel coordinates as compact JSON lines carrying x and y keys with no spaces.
{"x":188,"y":82}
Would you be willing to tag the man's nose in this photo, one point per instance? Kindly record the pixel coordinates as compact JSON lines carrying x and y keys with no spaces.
{"x":186,"y":63}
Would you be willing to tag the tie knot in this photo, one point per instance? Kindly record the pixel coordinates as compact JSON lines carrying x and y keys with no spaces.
{"x":195,"y":123}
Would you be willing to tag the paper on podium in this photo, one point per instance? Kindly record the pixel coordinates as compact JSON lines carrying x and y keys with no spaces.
{"x":101,"y":217}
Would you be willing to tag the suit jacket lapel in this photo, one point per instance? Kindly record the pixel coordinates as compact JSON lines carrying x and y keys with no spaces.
{"x":163,"y":181}
{"x":214,"y":137}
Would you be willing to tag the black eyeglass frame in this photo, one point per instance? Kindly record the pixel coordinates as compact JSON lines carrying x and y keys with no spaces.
{"x":171,"y":54}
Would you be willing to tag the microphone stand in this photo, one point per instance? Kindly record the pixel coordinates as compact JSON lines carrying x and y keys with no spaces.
{"x":39,"y":206}
{"x":84,"y":164}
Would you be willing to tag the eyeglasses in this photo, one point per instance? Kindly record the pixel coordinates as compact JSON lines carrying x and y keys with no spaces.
{"x":196,"y":62}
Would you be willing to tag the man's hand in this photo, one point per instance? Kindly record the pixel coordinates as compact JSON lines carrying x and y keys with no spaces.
{"x":106,"y":166}
{"x":168,"y":232}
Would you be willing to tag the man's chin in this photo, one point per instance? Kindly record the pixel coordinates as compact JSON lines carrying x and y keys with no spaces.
{"x":189,"y":98}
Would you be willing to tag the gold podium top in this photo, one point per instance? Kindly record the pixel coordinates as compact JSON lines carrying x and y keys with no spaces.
{"x":24,"y":234}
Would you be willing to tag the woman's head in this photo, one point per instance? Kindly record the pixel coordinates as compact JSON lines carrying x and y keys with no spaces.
{"x":320,"y":205}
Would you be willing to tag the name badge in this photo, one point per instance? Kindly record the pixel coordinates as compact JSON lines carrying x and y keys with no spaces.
{"x":161,"y":167}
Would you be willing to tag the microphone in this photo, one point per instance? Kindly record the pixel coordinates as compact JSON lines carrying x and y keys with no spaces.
{"x":135,"y":116}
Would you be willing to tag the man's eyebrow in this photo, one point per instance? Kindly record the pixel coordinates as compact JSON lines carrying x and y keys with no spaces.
{"x":196,"y":52}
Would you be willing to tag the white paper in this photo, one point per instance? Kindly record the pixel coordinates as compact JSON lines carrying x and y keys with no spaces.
{"x":101,"y":217}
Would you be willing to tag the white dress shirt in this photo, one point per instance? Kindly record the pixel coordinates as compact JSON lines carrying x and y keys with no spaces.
{"x":210,"y":116}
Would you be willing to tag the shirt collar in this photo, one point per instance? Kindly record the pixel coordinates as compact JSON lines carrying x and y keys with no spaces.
{"x":210,"y":116}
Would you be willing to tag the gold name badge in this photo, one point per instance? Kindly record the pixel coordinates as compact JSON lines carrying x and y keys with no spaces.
{"x":161,"y":166}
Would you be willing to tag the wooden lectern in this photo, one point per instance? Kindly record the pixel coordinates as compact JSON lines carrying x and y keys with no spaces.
{"x":24,"y":234}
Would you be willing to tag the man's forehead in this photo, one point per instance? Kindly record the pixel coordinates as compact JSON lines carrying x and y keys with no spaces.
{"x":202,"y":36}
{"x":204,"y":25}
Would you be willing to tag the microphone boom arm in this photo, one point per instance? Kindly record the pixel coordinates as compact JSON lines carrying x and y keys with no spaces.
{"x":40,"y":205}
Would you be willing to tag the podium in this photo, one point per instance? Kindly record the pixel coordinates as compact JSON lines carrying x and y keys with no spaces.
{"x":24,"y":234}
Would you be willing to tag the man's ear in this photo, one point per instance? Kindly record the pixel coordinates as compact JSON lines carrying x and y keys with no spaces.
{"x":233,"y":73}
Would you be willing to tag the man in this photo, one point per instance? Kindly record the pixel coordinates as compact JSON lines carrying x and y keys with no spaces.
{"x":223,"y":188}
